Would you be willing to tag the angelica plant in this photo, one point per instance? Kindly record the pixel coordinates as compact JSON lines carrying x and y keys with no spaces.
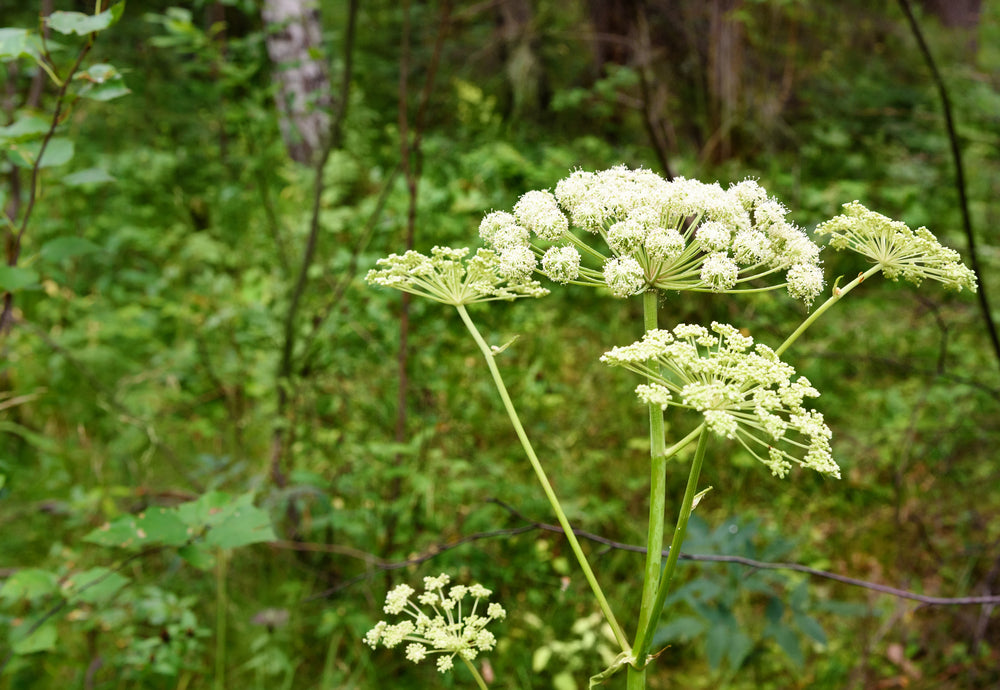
{"x":631,"y":233}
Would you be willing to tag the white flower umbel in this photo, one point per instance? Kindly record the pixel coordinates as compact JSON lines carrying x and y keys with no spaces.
{"x":899,"y":251}
{"x":447,"y":276}
{"x":631,"y":230}
{"x":438,"y":625}
{"x":743,"y":390}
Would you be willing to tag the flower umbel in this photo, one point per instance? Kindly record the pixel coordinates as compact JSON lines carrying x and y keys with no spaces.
{"x":743,"y":390}
{"x":636,"y":230}
{"x":447,"y":276}
{"x":438,"y":625}
{"x":898,"y":251}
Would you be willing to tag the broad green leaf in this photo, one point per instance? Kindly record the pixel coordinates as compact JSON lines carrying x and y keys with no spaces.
{"x":102,"y":83}
{"x":17,"y":43}
{"x":83,"y":24}
{"x":28,"y":585}
{"x":680,"y":628}
{"x":95,"y":586}
{"x":88,"y":176}
{"x":247,"y":525}
{"x":153,"y":527}
{"x":24,"y":128}
{"x":58,"y":152}
{"x":198,"y":556}
{"x":42,"y":639}
{"x":66,"y":248}
{"x":14,"y":278}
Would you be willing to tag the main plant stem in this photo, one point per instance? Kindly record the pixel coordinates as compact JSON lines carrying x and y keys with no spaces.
{"x":657,"y":505}
{"x":544,"y":480}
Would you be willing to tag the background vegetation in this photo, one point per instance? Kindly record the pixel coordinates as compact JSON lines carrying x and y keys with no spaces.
{"x":208,"y":336}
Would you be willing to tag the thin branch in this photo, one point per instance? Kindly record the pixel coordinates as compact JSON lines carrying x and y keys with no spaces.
{"x":378,"y":565}
{"x":956,"y":154}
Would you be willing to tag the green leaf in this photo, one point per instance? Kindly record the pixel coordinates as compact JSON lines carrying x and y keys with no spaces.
{"x":41,"y":640}
{"x":14,"y":278}
{"x":811,"y":627}
{"x":680,"y":628}
{"x":198,"y":556}
{"x":103,"y":83}
{"x":83,"y":24}
{"x":247,"y":525}
{"x":62,"y":248}
{"x":155,"y":526}
{"x":28,"y":585}
{"x":789,"y":643}
{"x":95,"y":586}
{"x":24,"y":128}
{"x":88,"y":176}
{"x":58,"y":152}
{"x":17,"y":43}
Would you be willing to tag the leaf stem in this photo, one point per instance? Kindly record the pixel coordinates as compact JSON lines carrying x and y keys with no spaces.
{"x":475,"y":674}
{"x":543,"y":479}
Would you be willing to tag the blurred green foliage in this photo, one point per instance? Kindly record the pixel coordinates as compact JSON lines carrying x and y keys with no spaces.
{"x":158,"y":267}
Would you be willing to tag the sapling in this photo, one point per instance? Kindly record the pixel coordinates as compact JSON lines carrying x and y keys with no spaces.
{"x":632,"y":233}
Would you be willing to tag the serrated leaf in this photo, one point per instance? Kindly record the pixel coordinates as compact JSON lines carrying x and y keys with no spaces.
{"x":83,"y":24}
{"x":14,"y":278}
{"x":29,"y":584}
{"x":680,"y":628}
{"x":58,"y":152}
{"x":87,"y":176}
{"x":62,"y":248}
{"x":42,"y":639}
{"x":774,"y":610}
{"x":811,"y":627}
{"x":154,"y":527}
{"x":789,"y":643}
{"x":95,"y":586}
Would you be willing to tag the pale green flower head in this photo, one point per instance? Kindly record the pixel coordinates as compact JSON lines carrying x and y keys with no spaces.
{"x":898,"y":251}
{"x":742,"y":389}
{"x":438,"y":626}
{"x":448,"y":276}
{"x":631,"y":230}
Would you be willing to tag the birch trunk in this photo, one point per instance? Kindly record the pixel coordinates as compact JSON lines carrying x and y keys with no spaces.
{"x":294,"y":40}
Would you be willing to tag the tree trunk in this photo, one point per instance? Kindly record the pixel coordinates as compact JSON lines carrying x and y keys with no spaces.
{"x":303,"y":83}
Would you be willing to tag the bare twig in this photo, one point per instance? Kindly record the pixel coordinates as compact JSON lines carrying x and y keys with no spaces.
{"x":956,"y":154}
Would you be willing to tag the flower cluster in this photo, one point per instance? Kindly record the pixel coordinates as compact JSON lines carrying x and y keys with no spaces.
{"x":447,"y":276}
{"x":676,"y":235}
{"x":898,"y":251}
{"x":443,"y":629}
{"x":743,"y":390}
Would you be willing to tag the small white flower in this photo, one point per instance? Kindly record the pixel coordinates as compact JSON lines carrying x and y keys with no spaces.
{"x":742,"y":389}
{"x":561,"y":264}
{"x":719,"y":272}
{"x":539,"y":213}
{"x":624,"y":276}
{"x":898,"y":251}
{"x":445,"y":630}
{"x":805,"y":282}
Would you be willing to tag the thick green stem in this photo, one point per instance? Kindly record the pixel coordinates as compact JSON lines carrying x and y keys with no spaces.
{"x":657,"y":505}
{"x":687,"y":507}
{"x":475,"y":673}
{"x":834,"y":298}
{"x":544,"y":480}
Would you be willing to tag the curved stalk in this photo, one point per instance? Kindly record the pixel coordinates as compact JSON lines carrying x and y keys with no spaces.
{"x":475,"y":674}
{"x":834,"y":298}
{"x":544,"y":480}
